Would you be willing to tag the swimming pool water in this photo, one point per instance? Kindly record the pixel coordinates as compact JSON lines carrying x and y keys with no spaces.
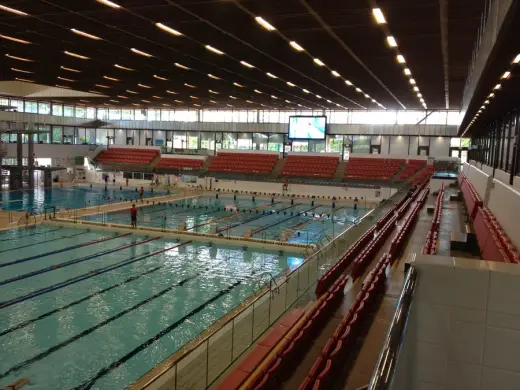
{"x":83,"y":309}
{"x":298,"y":222}
{"x":69,"y":197}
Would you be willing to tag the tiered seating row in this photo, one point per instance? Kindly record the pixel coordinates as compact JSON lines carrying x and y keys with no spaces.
{"x":179,"y":163}
{"x":430,"y":247}
{"x":343,"y":340}
{"x":310,"y":166}
{"x":423,"y":174}
{"x":127,"y":156}
{"x":411,"y":168}
{"x":471,"y":197}
{"x":382,"y":169}
{"x":249,"y":163}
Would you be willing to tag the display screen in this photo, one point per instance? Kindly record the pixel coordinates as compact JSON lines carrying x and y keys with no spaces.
{"x":307,"y":127}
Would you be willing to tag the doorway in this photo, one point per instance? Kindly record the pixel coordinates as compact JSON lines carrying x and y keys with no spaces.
{"x":375,"y":149}
{"x":423,"y":151}
{"x":460,"y":153}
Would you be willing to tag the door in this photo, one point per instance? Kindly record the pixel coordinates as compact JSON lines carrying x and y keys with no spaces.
{"x":129,"y":140}
{"x":375,"y":149}
{"x":423,"y":151}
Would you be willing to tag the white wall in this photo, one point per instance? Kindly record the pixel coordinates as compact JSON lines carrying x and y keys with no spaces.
{"x":385,"y":140}
{"x":504,"y":203}
{"x":52,"y":150}
{"x":414,"y":143}
{"x":439,"y":146}
{"x":463,"y":328}
{"x":399,"y":145}
{"x":480,"y":181}
{"x":186,"y":156}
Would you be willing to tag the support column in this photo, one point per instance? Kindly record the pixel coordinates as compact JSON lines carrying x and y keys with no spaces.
{"x":516,"y":151}
{"x":30,"y":160}
{"x":18,"y":179}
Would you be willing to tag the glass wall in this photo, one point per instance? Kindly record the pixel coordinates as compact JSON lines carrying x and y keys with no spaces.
{"x":260,"y":141}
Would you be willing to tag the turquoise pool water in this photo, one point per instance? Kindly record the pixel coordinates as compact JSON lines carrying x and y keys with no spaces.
{"x":89,"y":309}
{"x":69,"y":197}
{"x":296,"y":222}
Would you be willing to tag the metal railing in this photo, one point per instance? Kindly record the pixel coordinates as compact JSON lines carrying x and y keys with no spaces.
{"x":201,"y":364}
{"x":383,"y":375}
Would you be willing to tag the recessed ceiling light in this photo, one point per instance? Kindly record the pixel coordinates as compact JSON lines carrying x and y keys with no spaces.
{"x":262,"y":22}
{"x":132,"y":92}
{"x":12,"y":10}
{"x":102,"y":86}
{"x":295,"y":46}
{"x":291,"y":84}
{"x":367,"y":95}
{"x":506,"y":75}
{"x":407,"y":72}
{"x":318,"y":96}
{"x":374,"y":101}
{"x":189,"y":85}
{"x":287,"y":101}
{"x":111,"y":78}
{"x":156,"y":97}
{"x":214,"y":77}
{"x":19,"y":58}
{"x":141,"y":53}
{"x":335,"y":74}
{"x":211,"y":48}
{"x":491,"y":95}
{"x":400,"y":59}
{"x":232,"y":97}
{"x":65,"y":79}
{"x":419,"y":95}
{"x":486,"y":102}
{"x":247,"y":64}
{"x":122,"y":96}
{"x":412,"y":81}
{"x":416,"y":89}
{"x":70,"y":69}
{"x":318,"y":62}
{"x":378,"y":16}
{"x":238,"y":85}
{"x":145,"y":101}
{"x":24,"y":80}
{"x":517,"y":59}
{"x":178,"y":101}
{"x":160,"y":78}
{"x":211,"y":91}
{"x":274,"y":97}
{"x":69,"y":53}
{"x":61,"y":86}
{"x":257,"y":91}
{"x":497,"y":87}
{"x":305,"y":90}
{"x":194,"y":97}
{"x":123,"y":67}
{"x":359,"y":90}
{"x":391,"y":41}
{"x":328,"y":101}
{"x":109,"y":3}
{"x":84,"y":34}
{"x":348,"y":83}
{"x":181,"y":66}
{"x":144,"y":86}
{"x":171,"y":92}
{"x":483,"y":107}
{"x":21,"y":70}
{"x":168,"y":29}
{"x":115,"y":101}
{"x":271,"y":75}
{"x":18,"y":40}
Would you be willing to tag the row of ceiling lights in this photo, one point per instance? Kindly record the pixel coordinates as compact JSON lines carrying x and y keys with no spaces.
{"x":296,"y":46}
{"x":145,"y":54}
{"x":381,"y":20}
{"x":496,"y":89}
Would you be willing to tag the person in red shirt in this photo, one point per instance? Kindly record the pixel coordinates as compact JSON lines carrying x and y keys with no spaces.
{"x":133,"y":216}
{"x":141,"y":194}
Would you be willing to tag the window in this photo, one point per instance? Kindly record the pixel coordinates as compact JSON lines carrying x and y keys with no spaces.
{"x":465,"y":142}
{"x":44,"y":108}
{"x":455,"y":143}
{"x":68,"y":111}
{"x":229,"y":141}
{"x":334,"y":143}
{"x":154,"y":115}
{"x":437,"y":118}
{"x":260,"y":141}
{"x":179,"y":140}
{"x":127,"y":115}
{"x":240,"y":116}
{"x":275,"y":142}
{"x":31,"y":107}
{"x":339,"y":117}
{"x":81,"y":112}
{"x":91,"y":112}
{"x":114,"y":114}
{"x":102,"y":113}
{"x":185,"y":116}
{"x":454,"y":118}
{"x":90,"y":136}
{"x":361,"y":144}
{"x":57,"y":134}
{"x":68,"y":135}
{"x":193,"y":139}
{"x":245,"y":141}
{"x":18,"y":104}
{"x":101,"y":137}
{"x":207,"y":141}
{"x":140,"y":114}
{"x":410,"y":117}
{"x":165,"y":115}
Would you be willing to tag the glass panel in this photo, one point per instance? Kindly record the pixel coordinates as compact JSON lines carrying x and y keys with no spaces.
{"x":300,"y":146}
{"x":179,"y":139}
{"x":101,"y":136}
{"x":81,"y":136}
{"x":252,"y":117}
{"x":361,"y":144}
{"x":154,"y":115}
{"x":31,"y":107}
{"x":44,"y":108}
{"x":102,"y":113}
{"x":91,"y":112}
{"x":410,"y":117}
{"x":334,"y":143}
{"x":260,"y":141}
{"x":43,"y":136}
{"x":193,"y":139}
{"x":207,"y":141}
{"x":91,"y":136}
{"x":465,"y":142}
{"x":185,"y":116}
{"x":57,"y":109}
{"x":230,"y":141}
{"x":140,"y":114}
{"x":316,"y":146}
{"x":68,"y":135}
{"x":455,"y":142}
{"x":80,"y":112}
{"x":454,"y":118}
{"x":57,"y":134}
{"x":275,"y":142}
{"x":68,"y":111}
{"x":437,"y":118}
{"x":165,"y":115}
{"x":114,"y":114}
{"x":245,"y":141}
{"x":127,"y":115}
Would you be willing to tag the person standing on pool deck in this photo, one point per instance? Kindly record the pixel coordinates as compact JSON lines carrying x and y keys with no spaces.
{"x":133,"y":216}
{"x":114,"y":179}
{"x":141,"y":194}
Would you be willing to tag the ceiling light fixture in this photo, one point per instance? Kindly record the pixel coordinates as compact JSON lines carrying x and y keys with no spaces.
{"x":84,"y":101}
{"x":111,"y":78}
{"x":517,"y":59}
{"x":122,"y":96}
{"x":318,"y":96}
{"x":61,"y":86}
{"x":491,"y":95}
{"x":189,"y":85}
{"x":419,"y":94}
{"x":196,"y":105}
{"x":178,"y":101}
{"x":407,"y":72}
{"x":374,"y":101}
{"x":211,"y":48}
{"x":391,"y":41}
{"x":416,"y":89}
{"x":367,"y":95}
{"x":141,"y":53}
{"x":65,"y":79}
{"x":144,"y":86}
{"x":318,"y":62}
{"x":70,"y":69}
{"x":486,"y":102}
{"x":12,"y":10}
{"x":194,"y":97}
{"x":212,"y":101}
{"x":69,"y":53}
{"x":171,"y":92}
{"x":412,"y":81}
{"x":109,"y":3}
{"x":86,"y":35}
{"x":215,"y":92}
{"x":506,"y":75}
{"x":257,"y":91}
{"x":287,"y":101}
{"x":181,"y":66}
{"x":18,"y":40}
{"x":246,"y":64}
{"x":274,"y":97}
{"x":92,"y":91}
{"x":348,"y":83}
{"x":160,"y":78}
{"x":335,"y":74}
{"x":156,"y":97}
{"x":214,"y":77}
{"x":232,"y":97}
{"x":132,"y":92}
{"x":295,"y":46}
{"x":262,"y":22}
{"x":168,"y":29}
{"x":123,"y":67}
{"x":359,"y":90}
{"x":249,"y":101}
{"x":24,"y":80}
{"x":19,"y":58}
{"x":328,"y":101}
{"x":497,"y":87}
{"x":305,"y":90}
{"x":291,"y":84}
{"x":229,"y":105}
{"x":136,"y":104}
{"x":165,"y":105}
{"x":145,"y":101}
{"x":378,"y":16}
{"x":271,"y":75}
{"x":400,"y":59}
{"x":102,"y":86}
{"x":238,"y":85}
{"x":21,"y":70}
{"x":115,"y":101}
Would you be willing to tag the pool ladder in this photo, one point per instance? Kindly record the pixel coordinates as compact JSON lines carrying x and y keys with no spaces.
{"x":261,"y":283}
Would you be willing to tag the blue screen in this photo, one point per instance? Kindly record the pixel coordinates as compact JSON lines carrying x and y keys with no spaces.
{"x":307,"y":127}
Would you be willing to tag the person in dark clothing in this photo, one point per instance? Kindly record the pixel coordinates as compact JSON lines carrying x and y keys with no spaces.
{"x":141,"y":193}
{"x":133,"y":216}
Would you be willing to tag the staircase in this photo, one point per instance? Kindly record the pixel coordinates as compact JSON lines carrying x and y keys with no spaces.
{"x":339,"y":175}
{"x":155,"y":161}
{"x":204,"y":167}
{"x":277,"y":168}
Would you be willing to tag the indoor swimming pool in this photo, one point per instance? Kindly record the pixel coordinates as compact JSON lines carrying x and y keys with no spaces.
{"x":299,"y":222}
{"x":68,"y":197}
{"x":84,"y":309}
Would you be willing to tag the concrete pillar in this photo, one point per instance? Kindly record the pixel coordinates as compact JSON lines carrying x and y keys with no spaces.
{"x":47,"y":178}
{"x":30,"y":161}
{"x":19,"y":162}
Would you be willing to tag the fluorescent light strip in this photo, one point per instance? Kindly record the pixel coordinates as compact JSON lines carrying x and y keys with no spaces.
{"x":145,"y":101}
{"x":168,"y":29}
{"x":238,"y":85}
{"x":165,"y":105}
{"x":295,"y":46}
{"x":348,"y":83}
{"x":12,"y":10}
{"x":86,"y":35}
{"x":181,"y":66}
{"x":211,"y":48}
{"x":412,"y":81}
{"x":61,"y":86}
{"x":196,"y":105}
{"x":141,"y":53}
{"x":391,"y":41}
{"x":211,"y":91}
{"x":178,"y":101}
{"x":274,"y":97}
{"x":18,"y":40}
{"x":102,"y":86}
{"x":84,"y":101}
{"x":318,"y":62}
{"x":160,"y":78}
{"x":318,"y":96}
{"x":171,"y":92}
{"x":136,"y":104}
{"x":21,"y":70}
{"x":359,"y":90}
{"x":212,"y":101}
{"x":111,"y":78}
{"x":132,"y":92}
{"x":232,"y":97}
{"x":19,"y":58}
{"x":247,"y":64}
{"x":214,"y":77}
{"x":416,"y":89}
{"x":335,"y":74}
{"x":156,"y":97}
{"x":400,"y":59}
{"x":110,"y":4}
{"x":407,"y":72}
{"x":123,"y":67}
{"x":305,"y":90}
{"x":506,"y":75}
{"x":189,"y":85}
{"x":122,"y":96}
{"x":517,"y":59}
{"x":287,"y":101}
{"x":92,"y":91}
{"x":497,"y":87}
{"x":291,"y":84}
{"x":24,"y":80}
{"x":115,"y":101}
{"x":378,"y":16}
{"x":65,"y":79}
{"x":262,"y":22}
{"x":258,"y":91}
{"x":144,"y":86}
{"x":70,"y":69}
{"x":69,"y":53}
{"x":271,"y":75}
{"x":193,"y":97}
